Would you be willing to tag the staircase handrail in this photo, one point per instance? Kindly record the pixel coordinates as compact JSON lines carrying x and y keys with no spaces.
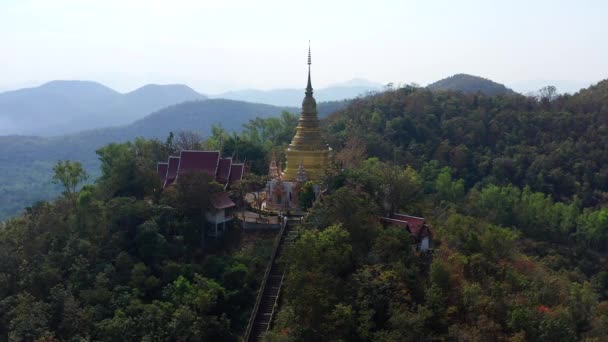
{"x":276,"y":300}
{"x":265,"y":279}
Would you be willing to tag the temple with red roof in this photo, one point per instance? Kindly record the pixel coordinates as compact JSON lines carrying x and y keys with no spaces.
{"x":223,"y":170}
{"x":416,"y":226}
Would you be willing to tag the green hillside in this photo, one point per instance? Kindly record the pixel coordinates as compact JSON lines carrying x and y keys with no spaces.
{"x":470,"y":84}
{"x":513,"y":188}
{"x":557,"y":147}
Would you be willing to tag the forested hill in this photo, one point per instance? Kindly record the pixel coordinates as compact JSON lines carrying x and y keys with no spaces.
{"x":470,"y":84}
{"x":555,"y":145}
{"x":514,"y":189}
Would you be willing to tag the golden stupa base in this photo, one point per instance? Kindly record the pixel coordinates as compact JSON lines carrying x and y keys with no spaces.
{"x":314,"y":163}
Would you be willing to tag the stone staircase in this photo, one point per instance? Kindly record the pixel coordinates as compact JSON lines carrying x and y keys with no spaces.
{"x":268,"y":295}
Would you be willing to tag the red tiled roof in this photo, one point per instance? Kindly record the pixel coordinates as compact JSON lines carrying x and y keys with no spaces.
{"x":394,"y":222}
{"x":206,"y":161}
{"x":171,"y":171}
{"x":161,"y":169}
{"x":221,"y":200}
{"x":236,"y":172}
{"x":223,"y":170}
{"x":415,"y":223}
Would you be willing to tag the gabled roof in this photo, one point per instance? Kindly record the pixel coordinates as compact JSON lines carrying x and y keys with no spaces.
{"x":236,"y":172}
{"x":171,"y":171}
{"x":205,"y":161}
{"x":223,"y":170}
{"x":161,"y":170}
{"x":416,"y":224}
{"x":221,"y":200}
{"x":394,"y":222}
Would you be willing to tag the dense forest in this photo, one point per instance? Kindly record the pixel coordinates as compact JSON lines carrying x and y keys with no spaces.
{"x":514,"y":187}
{"x":553,"y":144}
{"x":515,"y":191}
{"x":470,"y":84}
{"x":118,"y":260}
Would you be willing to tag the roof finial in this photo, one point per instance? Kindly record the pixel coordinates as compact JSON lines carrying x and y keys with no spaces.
{"x":309,"y":85}
{"x":309,"y":58}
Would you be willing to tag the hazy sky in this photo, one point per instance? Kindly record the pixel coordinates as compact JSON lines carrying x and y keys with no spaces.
{"x":219,"y":45}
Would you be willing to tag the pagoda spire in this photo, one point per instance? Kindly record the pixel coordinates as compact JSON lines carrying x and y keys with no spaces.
{"x":309,"y":85}
{"x":307,"y":145}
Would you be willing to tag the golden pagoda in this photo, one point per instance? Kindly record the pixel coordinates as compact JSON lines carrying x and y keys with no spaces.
{"x":307,"y":148}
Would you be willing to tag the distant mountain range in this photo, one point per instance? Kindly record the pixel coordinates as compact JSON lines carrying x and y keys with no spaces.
{"x":470,"y":84}
{"x":61,"y":107}
{"x":293,"y":97}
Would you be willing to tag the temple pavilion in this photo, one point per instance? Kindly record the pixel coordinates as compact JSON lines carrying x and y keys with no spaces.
{"x":223,"y":170}
{"x":307,"y":157}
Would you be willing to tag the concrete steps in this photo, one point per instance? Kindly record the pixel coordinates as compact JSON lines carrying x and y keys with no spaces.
{"x":266,"y":307}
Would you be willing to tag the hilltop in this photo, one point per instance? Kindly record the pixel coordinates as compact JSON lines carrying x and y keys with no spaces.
{"x":470,"y":84}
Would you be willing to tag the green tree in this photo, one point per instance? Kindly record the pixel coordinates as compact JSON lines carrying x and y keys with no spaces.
{"x":69,"y":175}
{"x":447,"y":188}
{"x":30,"y":319}
{"x":316,"y":261}
{"x":129,"y":169}
{"x":593,"y":228}
{"x":354,"y":210}
{"x":251,"y":184}
{"x":306,"y":196}
{"x":195,"y":193}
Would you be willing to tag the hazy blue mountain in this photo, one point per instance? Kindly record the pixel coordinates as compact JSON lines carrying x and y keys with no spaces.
{"x":61,"y":107}
{"x":191,"y":116}
{"x":293,"y":97}
{"x":470,"y":84}
{"x":153,"y":97}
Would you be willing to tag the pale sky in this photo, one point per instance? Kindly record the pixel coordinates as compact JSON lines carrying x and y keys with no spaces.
{"x":218,"y":45}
